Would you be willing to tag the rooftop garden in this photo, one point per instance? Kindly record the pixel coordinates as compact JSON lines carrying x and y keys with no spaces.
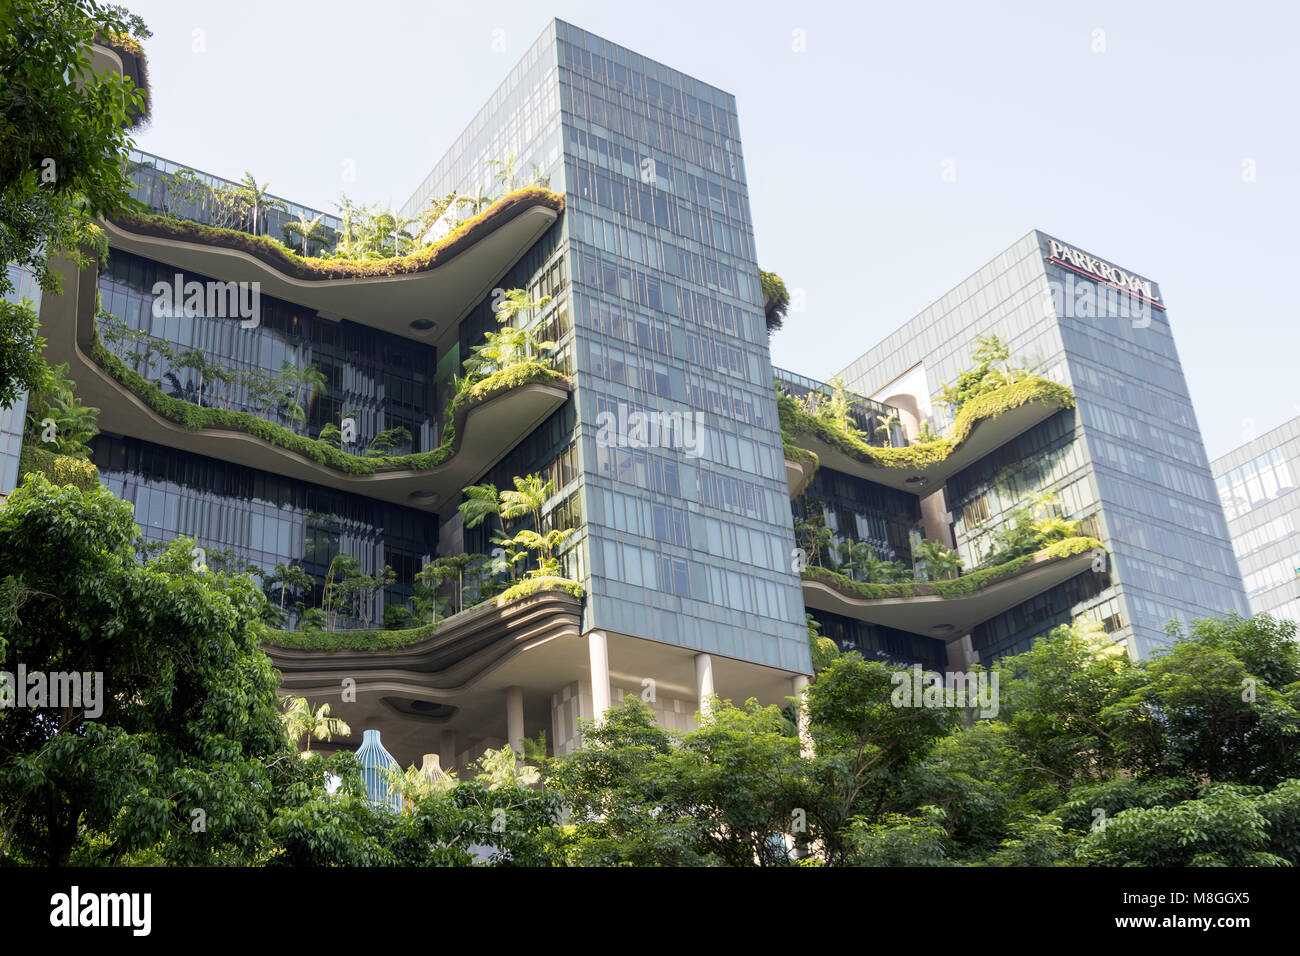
{"x":508,"y":358}
{"x":527,"y":559}
{"x":962,"y":586}
{"x":1035,"y":531}
{"x":986,"y":391}
{"x":370,"y":242}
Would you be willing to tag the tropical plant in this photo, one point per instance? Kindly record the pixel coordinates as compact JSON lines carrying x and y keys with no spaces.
{"x":812,"y":534}
{"x":936,"y":561}
{"x":307,"y":229}
{"x":991,"y":371}
{"x":285,"y":577}
{"x":301,"y":721}
{"x":57,"y":414}
{"x":257,"y":200}
{"x":301,"y":385}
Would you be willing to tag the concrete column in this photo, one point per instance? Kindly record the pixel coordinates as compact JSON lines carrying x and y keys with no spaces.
{"x":447,"y":750}
{"x":799,"y":684}
{"x":704,"y":684}
{"x":598,"y":651}
{"x":515,"y":718}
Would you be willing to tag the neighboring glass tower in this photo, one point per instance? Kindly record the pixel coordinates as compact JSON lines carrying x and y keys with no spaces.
{"x":1259,"y":485}
{"x":687,"y":541}
{"x":1128,"y":462}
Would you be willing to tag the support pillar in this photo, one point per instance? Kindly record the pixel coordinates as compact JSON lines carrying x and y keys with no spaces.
{"x":515,"y":718}
{"x":598,"y":651}
{"x":800,"y":686}
{"x":447,"y":750}
{"x":704,"y":684}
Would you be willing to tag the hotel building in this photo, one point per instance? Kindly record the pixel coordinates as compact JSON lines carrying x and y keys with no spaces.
{"x":614,"y":188}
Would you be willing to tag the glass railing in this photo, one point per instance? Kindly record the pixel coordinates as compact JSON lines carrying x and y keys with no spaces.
{"x":877,"y":421}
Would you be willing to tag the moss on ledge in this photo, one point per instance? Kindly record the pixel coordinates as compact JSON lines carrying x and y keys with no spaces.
{"x":958,"y":587}
{"x":196,"y":418}
{"x":287,"y":262}
{"x":60,"y":469}
{"x":795,"y":421}
{"x":329,"y":641}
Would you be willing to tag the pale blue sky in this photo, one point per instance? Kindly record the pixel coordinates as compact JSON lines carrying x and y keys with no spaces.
{"x":1135,"y":154}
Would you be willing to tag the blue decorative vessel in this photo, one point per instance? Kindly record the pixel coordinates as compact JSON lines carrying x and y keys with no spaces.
{"x":376,"y":762}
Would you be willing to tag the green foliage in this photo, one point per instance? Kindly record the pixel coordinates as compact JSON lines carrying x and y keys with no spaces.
{"x":64,"y":143}
{"x":354,"y":258}
{"x":953,"y":587}
{"x":371,"y":640}
{"x":900,"y":840}
{"x":986,"y":406}
{"x":535,"y":585}
{"x":822,"y":649}
{"x":992,"y":371}
{"x":776,"y":299}
{"x":21,"y":367}
{"x":1224,"y":827}
{"x":195,"y":418}
{"x":188,"y":701}
{"x":59,"y":469}
{"x":72,"y":423}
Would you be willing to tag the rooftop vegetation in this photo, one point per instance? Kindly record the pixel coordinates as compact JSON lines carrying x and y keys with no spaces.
{"x":381,"y":640}
{"x":796,"y":421}
{"x":515,"y":361}
{"x":962,"y":586}
{"x":989,"y":389}
{"x":776,"y":300}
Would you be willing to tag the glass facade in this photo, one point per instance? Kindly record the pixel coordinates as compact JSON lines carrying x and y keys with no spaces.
{"x":1128,"y":461}
{"x":1259,"y":485}
{"x":155,"y":187}
{"x":876,"y":642}
{"x":263,"y":518}
{"x":662,"y":316}
{"x":380,"y":380}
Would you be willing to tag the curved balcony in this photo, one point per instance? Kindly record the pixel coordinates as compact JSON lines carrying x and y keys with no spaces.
{"x":124,"y":55}
{"x":412,"y":682}
{"x":423,"y":295}
{"x":948,"y":609}
{"x":984,"y":424}
{"x":495,"y":416}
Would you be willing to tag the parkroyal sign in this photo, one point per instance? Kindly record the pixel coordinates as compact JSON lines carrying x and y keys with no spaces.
{"x":1114,"y":276}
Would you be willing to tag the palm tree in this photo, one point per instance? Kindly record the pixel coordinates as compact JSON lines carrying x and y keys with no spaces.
{"x":480,"y":502}
{"x":395,"y":226}
{"x":837,"y":408}
{"x":301,"y":386}
{"x":289,"y":576}
{"x":505,"y":174}
{"x":450,"y":568}
{"x":477,"y":202}
{"x":308,"y":229}
{"x":528,"y":498}
{"x":256,"y":198}
{"x":197,"y":361}
{"x":885,"y":430}
{"x":299,"y":719}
